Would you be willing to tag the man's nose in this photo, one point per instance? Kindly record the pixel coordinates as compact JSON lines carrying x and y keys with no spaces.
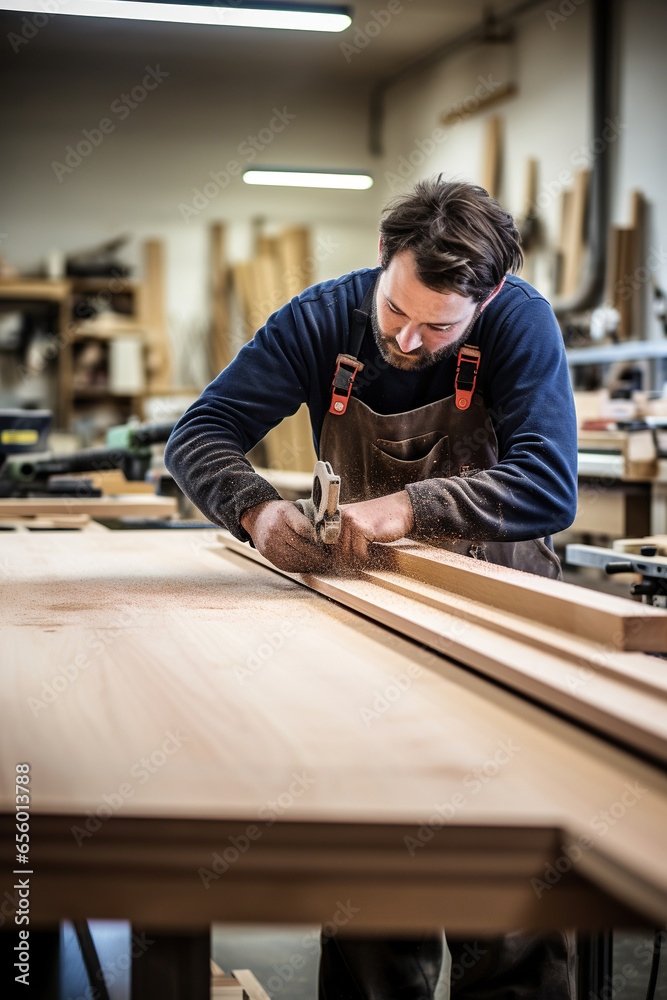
{"x":409,"y":339}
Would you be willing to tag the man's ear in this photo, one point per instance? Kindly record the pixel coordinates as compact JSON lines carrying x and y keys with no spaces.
{"x":492,"y":296}
{"x":380,"y":251}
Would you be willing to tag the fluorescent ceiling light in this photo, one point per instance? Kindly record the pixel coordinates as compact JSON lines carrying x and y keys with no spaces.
{"x":309,"y":178}
{"x":250,"y":15}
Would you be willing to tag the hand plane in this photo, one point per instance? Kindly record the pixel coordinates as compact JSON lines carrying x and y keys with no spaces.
{"x":322,"y":507}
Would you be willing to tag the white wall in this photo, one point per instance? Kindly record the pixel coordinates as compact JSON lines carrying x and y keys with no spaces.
{"x":548,"y":119}
{"x":151,"y":175}
{"x":194,"y":122}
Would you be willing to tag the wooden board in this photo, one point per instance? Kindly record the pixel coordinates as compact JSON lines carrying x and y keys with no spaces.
{"x":622,"y":695}
{"x":638,"y":217}
{"x":112,"y":482}
{"x":70,"y":522}
{"x":153,"y":317}
{"x":220,"y":344}
{"x":635,"y":544}
{"x":144,"y":634}
{"x":501,"y":93}
{"x":132,"y":505}
{"x":45,"y":289}
{"x":491,"y":165}
{"x":612,"y":511}
{"x":600,"y":617}
{"x":573,"y":241}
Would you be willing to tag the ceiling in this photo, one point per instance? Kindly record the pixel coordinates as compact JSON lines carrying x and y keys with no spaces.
{"x":414,"y":29}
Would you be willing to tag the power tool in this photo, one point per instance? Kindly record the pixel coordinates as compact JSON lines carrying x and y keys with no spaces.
{"x":27,"y":470}
{"x":322,"y":507}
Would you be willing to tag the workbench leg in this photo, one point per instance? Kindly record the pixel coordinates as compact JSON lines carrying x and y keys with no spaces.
{"x":172,"y":966}
{"x":595,"y":969}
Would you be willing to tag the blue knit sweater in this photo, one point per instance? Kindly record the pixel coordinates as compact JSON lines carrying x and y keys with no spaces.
{"x":523,"y":377}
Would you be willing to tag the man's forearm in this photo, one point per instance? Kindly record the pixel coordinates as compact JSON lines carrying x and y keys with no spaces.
{"x":499,"y":504}
{"x":217,"y":478}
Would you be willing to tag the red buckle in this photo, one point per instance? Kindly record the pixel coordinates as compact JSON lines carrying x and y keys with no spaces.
{"x":346,"y":371}
{"x":466,"y":375}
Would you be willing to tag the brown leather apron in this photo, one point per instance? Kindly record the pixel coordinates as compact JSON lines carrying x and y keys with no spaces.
{"x":377,"y":454}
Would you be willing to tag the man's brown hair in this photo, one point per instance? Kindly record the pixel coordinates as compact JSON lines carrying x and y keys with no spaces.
{"x":463,"y":241}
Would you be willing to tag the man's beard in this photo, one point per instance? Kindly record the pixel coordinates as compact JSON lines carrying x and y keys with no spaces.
{"x":417,"y":360}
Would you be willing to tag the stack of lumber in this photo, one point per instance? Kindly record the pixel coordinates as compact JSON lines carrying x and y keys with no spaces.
{"x":578,"y":651}
{"x":281,"y":268}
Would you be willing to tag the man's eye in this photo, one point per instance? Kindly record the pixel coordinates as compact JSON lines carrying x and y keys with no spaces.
{"x":442,"y":329}
{"x":394,"y":309}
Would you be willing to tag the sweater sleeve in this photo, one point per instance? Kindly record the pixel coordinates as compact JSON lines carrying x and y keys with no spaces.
{"x":532,"y":491}
{"x":267,"y":381}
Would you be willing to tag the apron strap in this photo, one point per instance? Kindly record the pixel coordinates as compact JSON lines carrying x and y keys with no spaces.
{"x":467,"y":368}
{"x":347,"y":365}
{"x":359,"y":321}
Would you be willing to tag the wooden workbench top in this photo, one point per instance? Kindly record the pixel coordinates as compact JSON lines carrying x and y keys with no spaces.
{"x":151,"y":674}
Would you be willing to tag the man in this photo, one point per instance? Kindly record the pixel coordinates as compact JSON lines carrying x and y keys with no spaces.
{"x":439,"y":391}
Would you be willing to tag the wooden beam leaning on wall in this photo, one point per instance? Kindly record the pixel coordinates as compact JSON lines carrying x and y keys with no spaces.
{"x":492,"y":162}
{"x":625,"y":263}
{"x":153,"y":318}
{"x":219,"y":344}
{"x":572,"y":242}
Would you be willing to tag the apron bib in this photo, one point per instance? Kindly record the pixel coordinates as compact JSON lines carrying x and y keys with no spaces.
{"x":377,"y":454}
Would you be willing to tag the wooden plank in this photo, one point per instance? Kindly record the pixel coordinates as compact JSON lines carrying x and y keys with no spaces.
{"x":638,"y":222}
{"x":251,"y":984}
{"x":220,"y":345}
{"x":132,"y":505}
{"x":592,"y":615}
{"x":624,"y":294}
{"x":55,"y":290}
{"x":530,"y":223}
{"x":635,"y":544}
{"x":112,"y":482}
{"x":501,"y":93}
{"x":628,"y":705}
{"x":296,"y":260}
{"x":155,"y":633}
{"x":573,"y":236}
{"x":59,"y":521}
{"x":613,"y":511}
{"x":244,"y":289}
{"x":645,"y":673}
{"x":492,"y":156}
{"x":152,"y":311}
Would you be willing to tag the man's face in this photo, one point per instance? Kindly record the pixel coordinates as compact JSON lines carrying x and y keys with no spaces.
{"x":414,"y":326}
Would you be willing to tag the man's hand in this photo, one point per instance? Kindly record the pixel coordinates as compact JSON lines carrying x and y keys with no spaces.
{"x":285,"y":536}
{"x":383,"y":520}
